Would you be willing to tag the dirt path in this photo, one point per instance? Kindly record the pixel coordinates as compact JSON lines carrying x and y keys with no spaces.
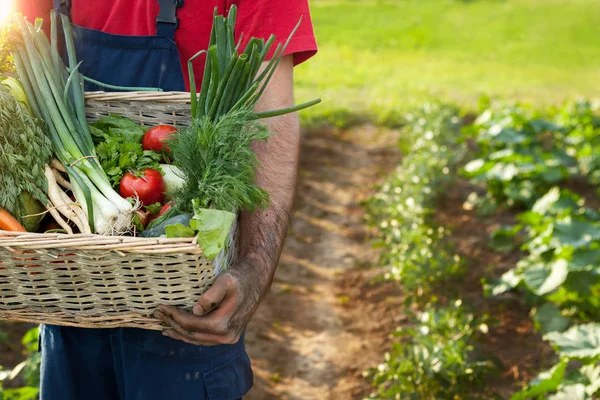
{"x":323,"y":323}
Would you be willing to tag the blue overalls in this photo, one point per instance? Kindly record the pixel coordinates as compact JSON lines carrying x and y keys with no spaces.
{"x":125,"y":363}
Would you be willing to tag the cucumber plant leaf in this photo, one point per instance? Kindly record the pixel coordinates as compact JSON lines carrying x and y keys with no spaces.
{"x":570,"y":392}
{"x":575,"y":233}
{"x":550,"y":319}
{"x":580,"y":341}
{"x":545,"y":382}
{"x":543,"y":279}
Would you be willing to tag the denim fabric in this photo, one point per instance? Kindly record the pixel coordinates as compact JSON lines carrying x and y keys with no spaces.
{"x":135,"y":364}
{"x":130,"y":61}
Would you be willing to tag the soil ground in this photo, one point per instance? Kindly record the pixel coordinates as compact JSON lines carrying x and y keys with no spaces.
{"x":323,"y":322}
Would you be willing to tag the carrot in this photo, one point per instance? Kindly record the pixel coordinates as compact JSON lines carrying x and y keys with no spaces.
{"x":9,"y":223}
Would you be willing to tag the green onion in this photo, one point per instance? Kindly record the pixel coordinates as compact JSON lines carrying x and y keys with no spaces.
{"x":57,"y":97}
{"x":232,"y":81}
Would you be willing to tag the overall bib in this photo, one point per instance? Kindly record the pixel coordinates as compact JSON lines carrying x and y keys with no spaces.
{"x":126,"y":363}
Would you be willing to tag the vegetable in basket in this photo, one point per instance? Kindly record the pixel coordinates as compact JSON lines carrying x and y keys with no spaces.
{"x":172,"y":177}
{"x":156,"y":137}
{"x":6,"y":62}
{"x":147,"y":185}
{"x":119,"y":148}
{"x":29,"y":186}
{"x":10,"y":223}
{"x":130,"y":155}
{"x":24,"y":153}
{"x":56,"y":96}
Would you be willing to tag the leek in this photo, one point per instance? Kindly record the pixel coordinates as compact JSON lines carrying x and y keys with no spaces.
{"x":57,"y":97}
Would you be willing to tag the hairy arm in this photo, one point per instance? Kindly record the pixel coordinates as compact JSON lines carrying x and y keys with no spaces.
{"x":222,"y":313}
{"x":263,"y":233}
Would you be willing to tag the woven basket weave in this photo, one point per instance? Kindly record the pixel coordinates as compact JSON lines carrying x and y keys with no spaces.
{"x":95,"y":281}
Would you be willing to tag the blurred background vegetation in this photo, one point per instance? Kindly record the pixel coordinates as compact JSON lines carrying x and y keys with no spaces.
{"x":379,"y":58}
{"x":497,"y":105}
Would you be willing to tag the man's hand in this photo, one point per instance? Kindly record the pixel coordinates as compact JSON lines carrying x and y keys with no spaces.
{"x":222,"y":313}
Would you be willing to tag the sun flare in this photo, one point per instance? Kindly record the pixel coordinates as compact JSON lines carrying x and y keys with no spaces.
{"x":6,"y":10}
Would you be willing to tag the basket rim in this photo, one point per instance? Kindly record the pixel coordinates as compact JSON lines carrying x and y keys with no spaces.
{"x":80,"y":241}
{"x":133,"y":320}
{"x":161,"y":97}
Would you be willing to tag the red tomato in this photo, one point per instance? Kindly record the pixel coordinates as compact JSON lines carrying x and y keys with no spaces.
{"x":155,"y":137}
{"x":149,"y":187}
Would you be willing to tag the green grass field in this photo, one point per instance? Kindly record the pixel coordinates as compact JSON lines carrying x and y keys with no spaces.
{"x":378,"y":58}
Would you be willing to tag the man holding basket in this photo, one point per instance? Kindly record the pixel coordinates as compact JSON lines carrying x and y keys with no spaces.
{"x":201,"y":355}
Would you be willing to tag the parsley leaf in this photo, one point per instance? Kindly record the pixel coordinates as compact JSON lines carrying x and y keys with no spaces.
{"x":119,"y":148}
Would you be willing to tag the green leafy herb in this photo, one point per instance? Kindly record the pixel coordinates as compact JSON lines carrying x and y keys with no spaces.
{"x":117,"y":156}
{"x":137,"y":222}
{"x":214,"y":153}
{"x":7,"y":38}
{"x":24,"y":152}
{"x":113,"y":125}
{"x":119,"y":147}
{"x":217,"y":163}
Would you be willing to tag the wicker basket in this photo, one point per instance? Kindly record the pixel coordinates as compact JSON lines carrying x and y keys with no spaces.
{"x":95,"y":281}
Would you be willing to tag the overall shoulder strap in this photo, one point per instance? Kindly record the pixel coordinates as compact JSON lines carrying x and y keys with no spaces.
{"x":63,"y":7}
{"x":167,"y":21}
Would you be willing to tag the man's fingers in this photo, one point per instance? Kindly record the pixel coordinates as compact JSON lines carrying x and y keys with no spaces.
{"x":202,"y":339}
{"x":186,"y":322}
{"x":205,"y":338}
{"x":211,"y":299}
{"x":177,"y":336}
{"x":205,"y":326}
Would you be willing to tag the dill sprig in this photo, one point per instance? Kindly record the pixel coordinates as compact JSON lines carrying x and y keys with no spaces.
{"x":24,"y":152}
{"x":217,"y":162}
{"x":214,"y":154}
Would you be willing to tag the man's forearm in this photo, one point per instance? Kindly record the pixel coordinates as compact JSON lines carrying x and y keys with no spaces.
{"x":263,"y":232}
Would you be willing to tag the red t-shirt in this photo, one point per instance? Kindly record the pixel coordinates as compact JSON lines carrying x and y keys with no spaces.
{"x":258,"y":18}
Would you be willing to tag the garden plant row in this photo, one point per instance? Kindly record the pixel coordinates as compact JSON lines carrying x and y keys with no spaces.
{"x":434,"y":357}
{"x":546,"y":169}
